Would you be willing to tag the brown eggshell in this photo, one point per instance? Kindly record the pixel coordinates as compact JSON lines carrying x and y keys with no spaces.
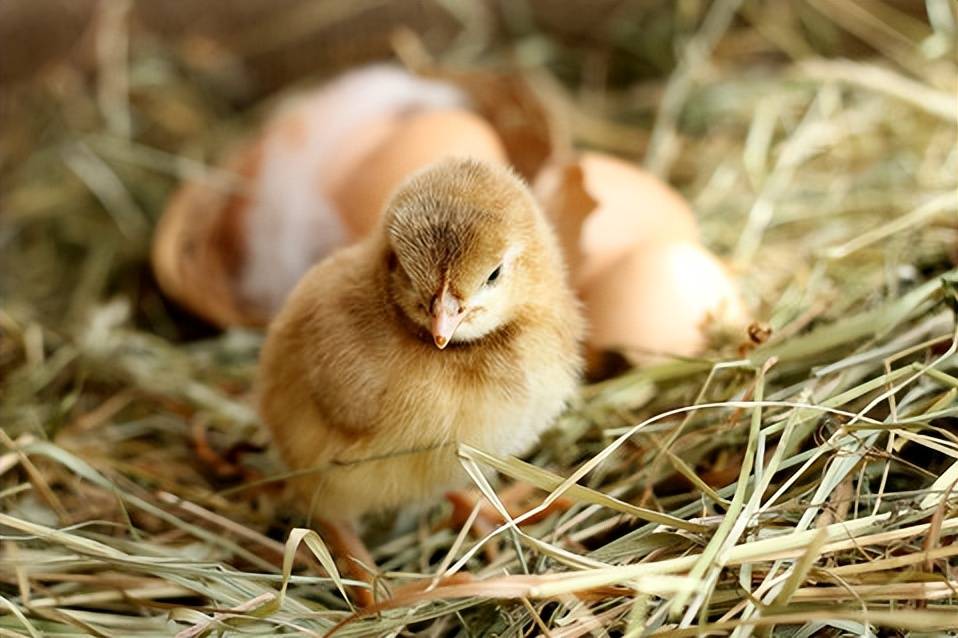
{"x":415,"y":142}
{"x":521,"y":105}
{"x":660,"y":300}
{"x":530,"y":126}
{"x":318,"y":175}
{"x":602,"y":206}
{"x":231,"y":256}
{"x":353,"y":156}
{"x":198,"y":244}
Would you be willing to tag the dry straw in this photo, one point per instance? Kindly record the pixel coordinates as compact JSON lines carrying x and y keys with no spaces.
{"x":808,"y":484}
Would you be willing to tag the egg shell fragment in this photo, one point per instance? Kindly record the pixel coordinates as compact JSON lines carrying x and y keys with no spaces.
{"x":660,"y":300}
{"x":314,"y":147}
{"x":199,"y":243}
{"x":230,"y":253}
{"x":412,"y":143}
{"x":602,"y":206}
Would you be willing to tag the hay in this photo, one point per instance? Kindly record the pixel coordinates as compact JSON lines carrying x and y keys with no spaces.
{"x":801,"y":483}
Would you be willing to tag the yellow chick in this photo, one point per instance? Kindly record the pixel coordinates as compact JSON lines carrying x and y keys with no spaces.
{"x":453,"y":322}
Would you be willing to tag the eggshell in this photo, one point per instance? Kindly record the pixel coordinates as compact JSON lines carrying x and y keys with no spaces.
{"x":318,"y":175}
{"x":313,"y":148}
{"x":526,"y":108}
{"x":602,"y":206}
{"x":413,"y":143}
{"x":661,"y":299}
{"x":532,"y":127}
{"x":199,"y":245}
{"x":232,"y":254}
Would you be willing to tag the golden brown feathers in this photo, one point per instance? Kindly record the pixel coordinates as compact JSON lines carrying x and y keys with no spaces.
{"x":351,"y":381}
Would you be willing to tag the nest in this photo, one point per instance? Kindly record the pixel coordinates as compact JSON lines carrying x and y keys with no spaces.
{"x":801,"y":478}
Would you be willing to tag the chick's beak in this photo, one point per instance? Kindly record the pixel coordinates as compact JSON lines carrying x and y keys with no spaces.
{"x":447,"y":314}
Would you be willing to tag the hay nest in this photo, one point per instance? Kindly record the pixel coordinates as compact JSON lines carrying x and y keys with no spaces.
{"x":801,"y":479}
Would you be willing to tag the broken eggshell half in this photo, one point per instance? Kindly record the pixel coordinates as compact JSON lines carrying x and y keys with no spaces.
{"x":316,"y":179}
{"x":649,"y":289}
{"x":661,"y":300}
{"x":601,"y":206}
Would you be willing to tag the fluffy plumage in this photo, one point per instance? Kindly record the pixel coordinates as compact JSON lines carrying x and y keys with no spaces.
{"x":352,"y":383}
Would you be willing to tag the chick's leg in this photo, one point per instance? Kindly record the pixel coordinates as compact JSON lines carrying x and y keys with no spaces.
{"x":517,"y":499}
{"x":352,"y":556}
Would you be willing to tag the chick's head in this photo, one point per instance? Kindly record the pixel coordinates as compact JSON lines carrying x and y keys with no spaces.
{"x":464,"y":249}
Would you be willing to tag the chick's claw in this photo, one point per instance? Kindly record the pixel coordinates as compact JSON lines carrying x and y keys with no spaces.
{"x":352,"y":558}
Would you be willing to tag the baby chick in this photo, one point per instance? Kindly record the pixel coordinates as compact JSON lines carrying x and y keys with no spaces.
{"x":451,"y":323}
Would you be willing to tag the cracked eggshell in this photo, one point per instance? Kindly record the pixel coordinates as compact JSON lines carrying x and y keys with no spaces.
{"x":414,"y":142}
{"x":199,"y":245}
{"x":229,"y":250}
{"x":602,"y":206}
{"x":661,"y":299}
{"x":518,"y":106}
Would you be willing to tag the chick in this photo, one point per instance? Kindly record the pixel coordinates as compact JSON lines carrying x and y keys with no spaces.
{"x":451,"y":323}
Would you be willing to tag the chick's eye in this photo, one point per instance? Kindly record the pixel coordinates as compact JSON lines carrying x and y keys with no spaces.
{"x":494,"y":275}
